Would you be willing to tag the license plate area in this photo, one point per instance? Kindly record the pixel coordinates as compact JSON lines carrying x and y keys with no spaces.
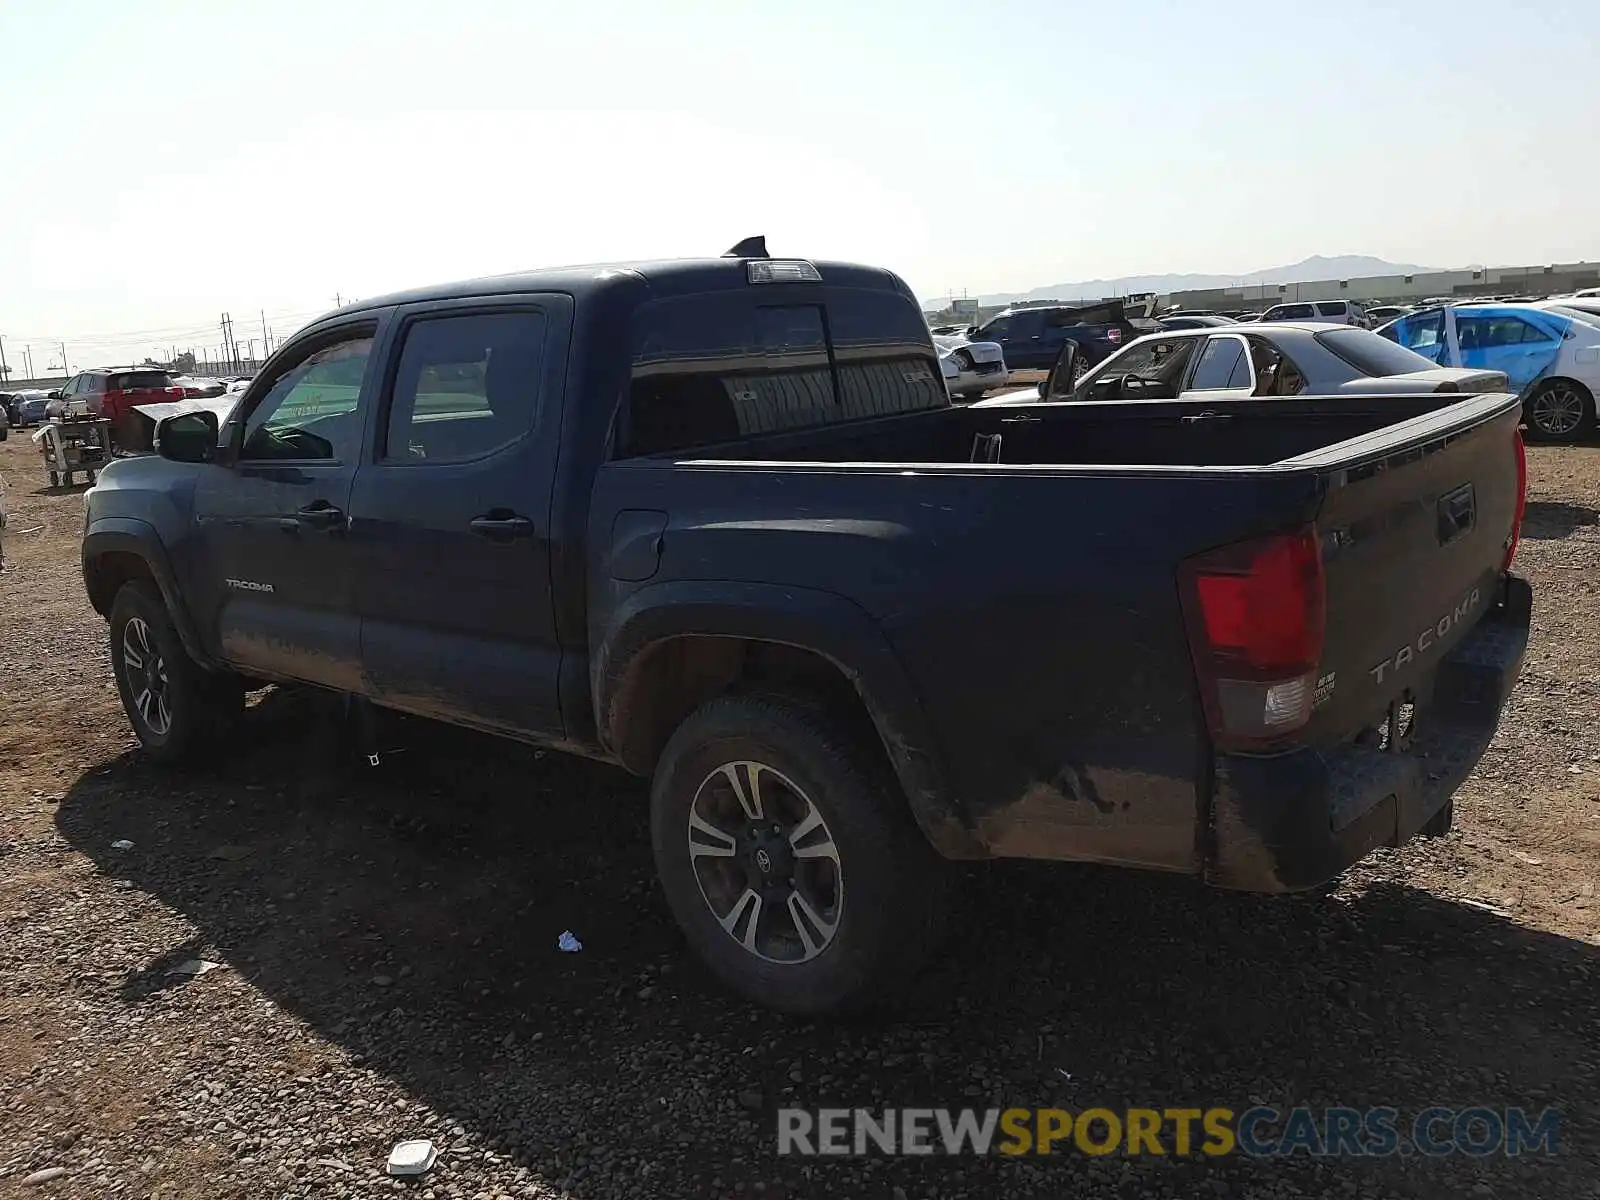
{"x":1395,"y":730}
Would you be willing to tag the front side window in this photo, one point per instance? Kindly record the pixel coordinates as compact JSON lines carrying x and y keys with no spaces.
{"x":312,"y":409}
{"x":1290,"y":312}
{"x":995,"y":330}
{"x":1333,"y":308}
{"x":466,"y":386}
{"x":1160,"y":362}
{"x":1421,"y":333}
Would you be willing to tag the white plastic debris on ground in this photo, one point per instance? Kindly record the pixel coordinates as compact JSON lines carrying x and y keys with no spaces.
{"x":196,"y":967}
{"x":412,"y":1158}
{"x":569,"y":942}
{"x":122,"y":844}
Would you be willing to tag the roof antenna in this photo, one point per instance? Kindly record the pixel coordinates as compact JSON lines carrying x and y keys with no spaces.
{"x":750,"y":247}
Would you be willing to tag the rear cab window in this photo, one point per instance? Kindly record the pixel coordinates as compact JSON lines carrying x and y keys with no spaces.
{"x":721,"y":366}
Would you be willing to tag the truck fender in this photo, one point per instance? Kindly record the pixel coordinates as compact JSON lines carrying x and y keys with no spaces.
{"x":129,"y":535}
{"x":820,"y":622}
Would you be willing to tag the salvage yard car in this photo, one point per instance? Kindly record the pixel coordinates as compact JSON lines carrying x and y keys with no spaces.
{"x":1551,"y":357}
{"x":718,"y":521}
{"x":970,"y":368}
{"x":1257,"y":360}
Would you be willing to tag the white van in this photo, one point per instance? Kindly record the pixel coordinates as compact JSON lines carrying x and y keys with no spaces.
{"x":1323,"y":312}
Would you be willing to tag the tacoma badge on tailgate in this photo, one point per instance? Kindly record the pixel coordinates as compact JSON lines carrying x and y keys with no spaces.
{"x":1426,"y":640}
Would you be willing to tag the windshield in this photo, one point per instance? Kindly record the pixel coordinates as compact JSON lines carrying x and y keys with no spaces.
{"x":1373,"y":355}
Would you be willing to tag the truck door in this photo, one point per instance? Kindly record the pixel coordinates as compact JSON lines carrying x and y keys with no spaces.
{"x":273,"y":573}
{"x":452,"y":518}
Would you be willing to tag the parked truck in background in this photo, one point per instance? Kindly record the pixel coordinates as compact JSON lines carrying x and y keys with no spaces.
{"x":717,"y":521}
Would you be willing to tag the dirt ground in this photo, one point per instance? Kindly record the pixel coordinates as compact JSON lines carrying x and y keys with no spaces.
{"x":388,"y":941}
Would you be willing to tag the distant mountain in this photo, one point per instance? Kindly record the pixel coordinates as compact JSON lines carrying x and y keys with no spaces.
{"x":1344,"y":266}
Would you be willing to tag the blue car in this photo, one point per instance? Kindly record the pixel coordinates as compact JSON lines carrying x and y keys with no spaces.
{"x":1550,"y":356}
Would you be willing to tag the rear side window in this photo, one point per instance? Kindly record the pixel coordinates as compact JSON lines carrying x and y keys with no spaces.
{"x":466,"y":386}
{"x":1333,"y":308}
{"x":1371,"y":354}
{"x":1291,"y":312}
{"x":721,"y":366}
{"x":1223,"y":364}
{"x":138,"y":381}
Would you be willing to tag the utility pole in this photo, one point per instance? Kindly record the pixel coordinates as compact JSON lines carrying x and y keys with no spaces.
{"x":266,"y":338}
{"x":5,"y":371}
{"x":65,"y":369}
{"x":338,"y":300}
{"x":27,"y":355}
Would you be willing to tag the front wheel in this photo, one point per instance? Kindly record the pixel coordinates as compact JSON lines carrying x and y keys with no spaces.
{"x":794,"y":871}
{"x":1560,"y":410}
{"x":176,"y":708}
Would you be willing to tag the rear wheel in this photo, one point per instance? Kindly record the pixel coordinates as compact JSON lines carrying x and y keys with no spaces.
{"x":794,"y":871}
{"x":176,"y":708}
{"x":1560,"y":410}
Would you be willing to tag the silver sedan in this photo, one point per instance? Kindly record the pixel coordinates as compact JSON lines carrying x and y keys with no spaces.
{"x":1278,"y":359}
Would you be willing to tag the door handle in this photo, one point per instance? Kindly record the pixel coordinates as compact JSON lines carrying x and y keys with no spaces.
{"x":319,"y":515}
{"x":500,"y":525}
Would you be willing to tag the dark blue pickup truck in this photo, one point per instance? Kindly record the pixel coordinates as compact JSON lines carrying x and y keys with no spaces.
{"x":1031,"y":337}
{"x":718,"y":522}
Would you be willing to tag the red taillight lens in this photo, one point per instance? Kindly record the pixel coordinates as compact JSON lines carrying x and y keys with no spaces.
{"x":1114,"y":336}
{"x":175,"y":392}
{"x":1522,"y":501}
{"x":1257,"y":615}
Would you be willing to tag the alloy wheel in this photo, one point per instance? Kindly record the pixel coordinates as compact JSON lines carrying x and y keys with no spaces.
{"x":766,"y":862}
{"x":147,"y":677}
{"x":1557,"y":410}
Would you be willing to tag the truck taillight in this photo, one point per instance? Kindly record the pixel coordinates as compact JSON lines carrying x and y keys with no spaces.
{"x":175,"y":392}
{"x":1522,"y":501}
{"x":1114,"y":336}
{"x":1256,"y":615}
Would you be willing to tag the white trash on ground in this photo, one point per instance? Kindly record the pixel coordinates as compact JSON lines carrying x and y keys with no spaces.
{"x":412,"y":1158}
{"x":195,"y":966}
{"x":569,"y":942}
{"x":122,"y":844}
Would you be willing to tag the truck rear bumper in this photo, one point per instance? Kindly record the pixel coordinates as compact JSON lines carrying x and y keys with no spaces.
{"x":1292,"y":821}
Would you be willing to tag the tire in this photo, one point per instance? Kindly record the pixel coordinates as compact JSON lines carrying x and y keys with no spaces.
{"x":1560,"y":410}
{"x":1442,"y":822}
{"x":883,"y":889}
{"x":176,"y":709}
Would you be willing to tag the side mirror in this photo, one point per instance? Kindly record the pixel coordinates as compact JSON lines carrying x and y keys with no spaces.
{"x":1108,"y":389}
{"x":188,"y":437}
{"x":53,"y":394}
{"x":1044,"y":389}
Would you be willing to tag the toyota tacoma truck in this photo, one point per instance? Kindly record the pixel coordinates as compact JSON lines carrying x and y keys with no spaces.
{"x":717,"y":521}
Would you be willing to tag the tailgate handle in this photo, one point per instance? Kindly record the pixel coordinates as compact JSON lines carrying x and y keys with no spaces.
{"x":1458,"y":514}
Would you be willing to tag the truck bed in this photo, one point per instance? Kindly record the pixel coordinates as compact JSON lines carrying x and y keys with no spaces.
{"x":1034,"y":596}
{"x":1145,"y":433}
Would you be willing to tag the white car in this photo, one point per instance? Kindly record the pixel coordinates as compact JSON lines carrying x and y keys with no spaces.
{"x":970,"y":368}
{"x":1322,"y":312}
{"x":1550,"y":353}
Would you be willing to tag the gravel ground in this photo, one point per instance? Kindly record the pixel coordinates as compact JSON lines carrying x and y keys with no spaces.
{"x":388,"y":941}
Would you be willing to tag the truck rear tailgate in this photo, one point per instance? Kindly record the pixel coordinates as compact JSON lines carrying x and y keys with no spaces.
{"x":1414,"y":539}
{"x":1423,"y":633}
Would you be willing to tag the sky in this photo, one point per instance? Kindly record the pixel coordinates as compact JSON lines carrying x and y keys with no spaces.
{"x":165,"y":161}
